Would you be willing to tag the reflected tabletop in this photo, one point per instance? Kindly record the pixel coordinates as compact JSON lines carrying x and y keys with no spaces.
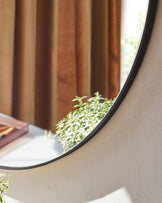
{"x":30,"y":149}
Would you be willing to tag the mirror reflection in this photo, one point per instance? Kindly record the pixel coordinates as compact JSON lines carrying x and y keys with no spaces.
{"x":55,"y":52}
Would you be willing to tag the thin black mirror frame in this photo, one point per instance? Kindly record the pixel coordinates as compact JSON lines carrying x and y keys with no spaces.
{"x":151,"y":12}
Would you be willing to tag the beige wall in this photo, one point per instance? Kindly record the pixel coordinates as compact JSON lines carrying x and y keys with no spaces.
{"x":126,"y":153}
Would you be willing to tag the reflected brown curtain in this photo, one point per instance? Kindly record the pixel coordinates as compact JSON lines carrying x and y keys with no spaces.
{"x":51,"y":51}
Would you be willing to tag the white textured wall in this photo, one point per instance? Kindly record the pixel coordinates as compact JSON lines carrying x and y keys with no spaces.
{"x":126,"y":153}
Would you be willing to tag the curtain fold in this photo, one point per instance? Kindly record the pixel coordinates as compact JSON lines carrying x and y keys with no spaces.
{"x":7,"y":24}
{"x":52,"y":51}
{"x":105,"y":51}
{"x":46,"y":63}
{"x":73,"y":53}
{"x":24,"y":60}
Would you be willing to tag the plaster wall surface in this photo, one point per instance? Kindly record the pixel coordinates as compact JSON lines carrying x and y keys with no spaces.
{"x":126,"y":153}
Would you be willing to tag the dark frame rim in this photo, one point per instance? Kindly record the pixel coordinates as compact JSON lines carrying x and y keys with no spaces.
{"x":151,"y":12}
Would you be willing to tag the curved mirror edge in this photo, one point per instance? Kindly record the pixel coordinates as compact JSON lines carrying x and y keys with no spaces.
{"x":135,"y":67}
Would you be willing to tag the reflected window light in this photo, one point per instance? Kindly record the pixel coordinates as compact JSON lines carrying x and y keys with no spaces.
{"x":132,"y":24}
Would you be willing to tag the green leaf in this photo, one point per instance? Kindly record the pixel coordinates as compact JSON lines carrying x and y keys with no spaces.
{"x":72,"y":129}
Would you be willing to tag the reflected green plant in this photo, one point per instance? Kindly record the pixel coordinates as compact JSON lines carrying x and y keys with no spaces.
{"x":72,"y":129}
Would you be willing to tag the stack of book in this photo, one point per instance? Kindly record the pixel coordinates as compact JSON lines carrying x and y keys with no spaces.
{"x":10,"y":129}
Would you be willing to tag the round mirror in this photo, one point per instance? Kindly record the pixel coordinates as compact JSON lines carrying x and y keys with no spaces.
{"x":94,"y":49}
